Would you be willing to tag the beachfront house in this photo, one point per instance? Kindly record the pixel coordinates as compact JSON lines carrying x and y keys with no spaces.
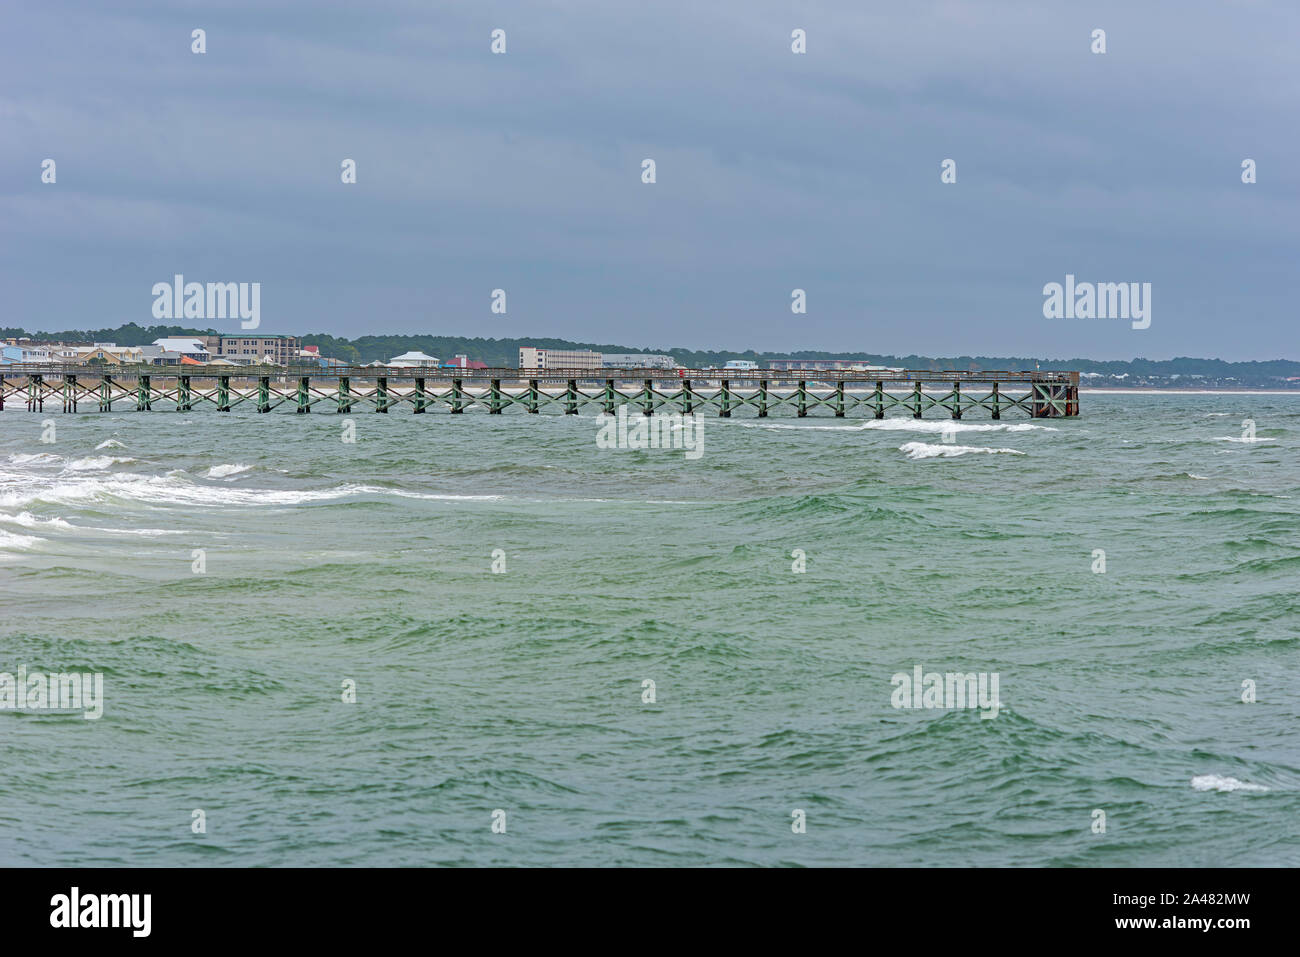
{"x":17,"y":353}
{"x":413,"y":360}
{"x":194,"y":349}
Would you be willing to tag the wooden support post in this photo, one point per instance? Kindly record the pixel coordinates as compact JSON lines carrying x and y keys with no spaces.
{"x":381,"y":393}
{"x":345,"y":395}
{"x":106,"y":393}
{"x":263,"y":393}
{"x":956,"y":400}
{"x":725,"y":411}
{"x":880,"y":400}
{"x":223,"y":393}
{"x":1037,"y":407}
{"x":608,"y":406}
{"x":35,"y":400}
{"x":534,"y":397}
{"x":997,"y":402}
{"x":456,"y":396}
{"x":648,"y":406}
{"x":2,"y":393}
{"x":571,"y":398}
{"x":304,"y":399}
{"x":916,"y":401}
{"x":688,"y":398}
{"x":69,"y":392}
{"x":762,"y":398}
{"x":494,"y":399}
{"x":803,"y":398}
{"x":144,"y":395}
{"x":839,"y":399}
{"x":419,"y":395}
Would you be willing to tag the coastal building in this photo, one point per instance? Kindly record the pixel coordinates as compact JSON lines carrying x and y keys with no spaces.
{"x":416,"y":359}
{"x":824,"y":365}
{"x":191,"y":348}
{"x":636,"y":360}
{"x":533,"y":358}
{"x":158,"y":356}
{"x":26,"y":353}
{"x":270,"y":350}
{"x":741,"y":365}
{"x":462,"y":361}
{"x":109,"y":353}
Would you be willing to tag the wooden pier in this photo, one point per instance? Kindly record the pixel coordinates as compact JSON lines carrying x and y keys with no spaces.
{"x":762,"y":392}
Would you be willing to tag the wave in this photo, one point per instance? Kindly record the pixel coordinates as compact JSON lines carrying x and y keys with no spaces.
{"x":222,"y":471}
{"x":1242,"y":439}
{"x":96,"y":463}
{"x":931,"y":426}
{"x":176,"y":489}
{"x":924,"y":450}
{"x":11,"y":541}
{"x":110,"y":444}
{"x":1215,"y":782}
{"x":38,"y":458}
{"x":28,"y":520}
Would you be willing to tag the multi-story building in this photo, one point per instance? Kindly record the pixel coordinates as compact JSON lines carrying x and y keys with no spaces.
{"x":636,"y":360}
{"x":283,"y":350}
{"x":532,"y":358}
{"x":17,"y":352}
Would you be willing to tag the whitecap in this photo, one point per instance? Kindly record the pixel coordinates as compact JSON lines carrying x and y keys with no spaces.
{"x":1215,"y":782}
{"x":222,"y":471}
{"x":38,"y":458}
{"x":28,"y":520}
{"x":924,"y":450}
{"x":931,"y":426}
{"x":96,"y":463}
{"x":11,"y":541}
{"x":110,"y":444}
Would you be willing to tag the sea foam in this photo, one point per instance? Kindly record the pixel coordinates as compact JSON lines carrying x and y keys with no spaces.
{"x":1215,"y":782}
{"x":925,"y":450}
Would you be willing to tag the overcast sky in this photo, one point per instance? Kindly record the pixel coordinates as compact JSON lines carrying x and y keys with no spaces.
{"x":775,"y":171}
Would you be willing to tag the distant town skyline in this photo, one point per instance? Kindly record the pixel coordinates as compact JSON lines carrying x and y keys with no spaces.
{"x":779,"y":176}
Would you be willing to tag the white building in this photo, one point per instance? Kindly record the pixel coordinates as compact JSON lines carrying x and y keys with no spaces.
{"x":195,"y":349}
{"x":636,"y":360}
{"x":532,"y":358}
{"x":408,"y":360}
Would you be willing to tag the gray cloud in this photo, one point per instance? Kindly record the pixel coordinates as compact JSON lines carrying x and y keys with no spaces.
{"x":775,"y":171}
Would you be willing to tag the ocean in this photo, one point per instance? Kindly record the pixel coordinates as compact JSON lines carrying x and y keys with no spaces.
{"x":570,"y":655}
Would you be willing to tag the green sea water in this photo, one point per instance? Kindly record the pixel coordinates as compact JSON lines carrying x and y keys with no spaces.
{"x":522,"y":690}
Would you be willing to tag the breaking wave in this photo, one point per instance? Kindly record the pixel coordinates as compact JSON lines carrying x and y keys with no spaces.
{"x":925,"y":450}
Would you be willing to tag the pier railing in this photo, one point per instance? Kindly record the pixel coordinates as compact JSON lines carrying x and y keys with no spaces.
{"x":687,"y":391}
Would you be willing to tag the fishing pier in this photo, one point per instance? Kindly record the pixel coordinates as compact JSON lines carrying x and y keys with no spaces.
{"x":758,"y":392}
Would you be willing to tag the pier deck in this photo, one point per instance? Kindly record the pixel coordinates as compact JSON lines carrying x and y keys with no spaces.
{"x":763,"y":392}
